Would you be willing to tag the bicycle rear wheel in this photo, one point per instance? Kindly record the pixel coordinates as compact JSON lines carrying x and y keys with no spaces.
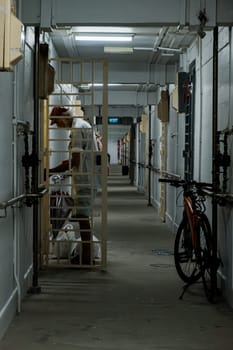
{"x":209,"y":263}
{"x":186,"y":262}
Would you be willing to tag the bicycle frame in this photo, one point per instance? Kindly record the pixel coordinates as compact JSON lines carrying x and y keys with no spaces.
{"x":193,"y":218}
{"x":193,"y":250}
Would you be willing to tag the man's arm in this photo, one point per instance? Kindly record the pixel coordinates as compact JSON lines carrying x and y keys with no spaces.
{"x":60,"y":168}
{"x":64,"y":165}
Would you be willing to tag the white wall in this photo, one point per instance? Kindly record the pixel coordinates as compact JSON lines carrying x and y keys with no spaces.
{"x":7,"y":289}
{"x":16,"y":100}
{"x":202,"y":53}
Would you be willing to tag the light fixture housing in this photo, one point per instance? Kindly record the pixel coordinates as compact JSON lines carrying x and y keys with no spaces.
{"x":110,"y":38}
{"x":118,"y":49}
{"x":102,"y":30}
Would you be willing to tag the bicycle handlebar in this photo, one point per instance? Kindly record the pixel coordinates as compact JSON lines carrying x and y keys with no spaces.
{"x":173,"y":182}
{"x":184,"y":183}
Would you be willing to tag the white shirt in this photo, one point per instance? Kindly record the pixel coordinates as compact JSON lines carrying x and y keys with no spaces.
{"x":83,"y":141}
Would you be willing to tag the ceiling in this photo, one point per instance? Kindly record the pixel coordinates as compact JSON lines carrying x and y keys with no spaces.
{"x":149,"y":45}
{"x":159,"y":45}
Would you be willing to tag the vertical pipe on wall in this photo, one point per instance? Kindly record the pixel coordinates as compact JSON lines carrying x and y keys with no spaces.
{"x":214,"y":138}
{"x":230,"y":77}
{"x":137,"y":140}
{"x":149,"y":160}
{"x":15,"y":187}
{"x":35,"y":168}
{"x":229,"y":123}
{"x":200,"y":108}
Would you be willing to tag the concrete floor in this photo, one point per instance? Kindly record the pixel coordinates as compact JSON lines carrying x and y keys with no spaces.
{"x":134,"y":305}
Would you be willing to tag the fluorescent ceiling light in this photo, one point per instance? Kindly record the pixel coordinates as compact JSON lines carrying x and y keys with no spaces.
{"x":169,"y":49}
{"x":106,"y":29}
{"x":118,"y":49}
{"x":145,"y":49}
{"x":167,"y":54}
{"x":109,"y":84}
{"x":90,"y":85}
{"x":103,"y":38}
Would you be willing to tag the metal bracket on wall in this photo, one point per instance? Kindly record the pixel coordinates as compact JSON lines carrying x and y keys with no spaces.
{"x":223,"y":159}
{"x":22,"y":127}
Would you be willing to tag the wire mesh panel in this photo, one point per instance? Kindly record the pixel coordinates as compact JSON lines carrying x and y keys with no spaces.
{"x":76,"y":173}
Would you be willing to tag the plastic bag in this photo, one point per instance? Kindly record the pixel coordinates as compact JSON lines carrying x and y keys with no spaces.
{"x":65,"y":242}
{"x":60,"y":208}
{"x":68,"y":243}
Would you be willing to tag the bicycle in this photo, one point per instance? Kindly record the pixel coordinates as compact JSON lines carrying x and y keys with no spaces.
{"x":194,"y":252}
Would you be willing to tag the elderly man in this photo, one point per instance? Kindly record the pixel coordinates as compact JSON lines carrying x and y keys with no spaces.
{"x":84,"y":183}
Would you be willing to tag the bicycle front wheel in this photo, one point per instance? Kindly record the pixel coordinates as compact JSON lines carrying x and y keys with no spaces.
{"x":186,"y":262}
{"x":209,"y":263}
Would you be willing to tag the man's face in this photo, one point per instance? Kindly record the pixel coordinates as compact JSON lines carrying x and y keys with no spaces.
{"x":61,"y":116}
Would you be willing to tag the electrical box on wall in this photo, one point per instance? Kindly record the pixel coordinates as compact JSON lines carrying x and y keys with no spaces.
{"x":179,"y":94}
{"x":183,"y":86}
{"x":10,"y":37}
{"x":46,"y":72}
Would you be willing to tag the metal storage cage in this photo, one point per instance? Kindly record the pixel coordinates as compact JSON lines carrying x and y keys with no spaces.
{"x":80,"y":84}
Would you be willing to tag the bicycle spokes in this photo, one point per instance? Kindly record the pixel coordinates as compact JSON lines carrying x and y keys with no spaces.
{"x":209,"y":263}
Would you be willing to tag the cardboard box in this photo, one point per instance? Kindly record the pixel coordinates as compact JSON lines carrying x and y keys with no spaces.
{"x":10,"y":36}
{"x":175,"y":103}
{"x":2,"y":26}
{"x":163,"y":107}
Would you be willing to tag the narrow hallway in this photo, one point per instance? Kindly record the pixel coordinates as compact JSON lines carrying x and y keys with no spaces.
{"x":133,"y":305}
